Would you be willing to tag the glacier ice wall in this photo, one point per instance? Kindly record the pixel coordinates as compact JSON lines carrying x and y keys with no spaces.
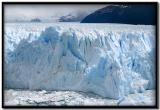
{"x":109,"y":60}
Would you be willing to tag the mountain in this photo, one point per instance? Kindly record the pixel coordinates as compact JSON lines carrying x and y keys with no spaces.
{"x":72,"y":18}
{"x":126,"y":14}
{"x":35,"y":20}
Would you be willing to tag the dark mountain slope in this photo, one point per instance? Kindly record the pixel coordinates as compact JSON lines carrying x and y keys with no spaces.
{"x":127,"y":14}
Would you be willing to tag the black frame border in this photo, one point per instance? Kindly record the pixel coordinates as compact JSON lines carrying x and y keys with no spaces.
{"x":94,"y":106}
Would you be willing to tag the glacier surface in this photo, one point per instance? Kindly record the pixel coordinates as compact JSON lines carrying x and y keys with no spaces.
{"x":111,"y":60}
{"x":15,"y":97}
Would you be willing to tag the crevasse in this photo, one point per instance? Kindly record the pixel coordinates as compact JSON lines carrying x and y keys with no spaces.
{"x":110,"y":63}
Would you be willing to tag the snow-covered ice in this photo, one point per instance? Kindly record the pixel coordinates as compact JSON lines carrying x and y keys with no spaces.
{"x":111,"y":60}
{"x":59,"y":98}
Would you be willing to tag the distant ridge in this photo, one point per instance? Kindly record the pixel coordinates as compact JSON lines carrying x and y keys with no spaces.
{"x":35,"y":20}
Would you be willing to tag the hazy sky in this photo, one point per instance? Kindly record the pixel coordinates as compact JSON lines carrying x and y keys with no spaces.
{"x":47,"y":12}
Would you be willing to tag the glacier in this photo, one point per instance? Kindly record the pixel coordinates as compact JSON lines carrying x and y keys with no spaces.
{"x":110,"y":60}
{"x":16,"y":97}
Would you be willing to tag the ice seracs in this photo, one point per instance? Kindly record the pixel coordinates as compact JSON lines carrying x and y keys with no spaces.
{"x":109,"y":60}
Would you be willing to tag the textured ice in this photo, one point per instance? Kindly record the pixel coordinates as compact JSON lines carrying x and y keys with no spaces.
{"x":111,"y":60}
{"x":45,"y":98}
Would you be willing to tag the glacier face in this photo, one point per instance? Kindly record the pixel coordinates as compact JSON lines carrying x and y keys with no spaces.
{"x":111,"y":60}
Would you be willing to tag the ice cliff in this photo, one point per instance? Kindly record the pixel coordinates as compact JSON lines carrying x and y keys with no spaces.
{"x":108,"y":59}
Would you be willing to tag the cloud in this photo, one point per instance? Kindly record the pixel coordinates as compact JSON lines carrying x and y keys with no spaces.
{"x":47,"y":12}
